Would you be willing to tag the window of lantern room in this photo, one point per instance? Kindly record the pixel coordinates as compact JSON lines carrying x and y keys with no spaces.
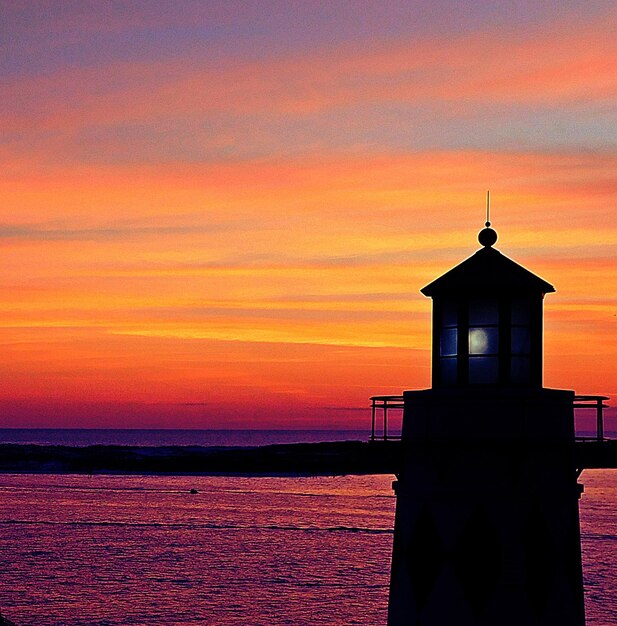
{"x":448,"y":343}
{"x":520,"y":341}
{"x":483,"y":341}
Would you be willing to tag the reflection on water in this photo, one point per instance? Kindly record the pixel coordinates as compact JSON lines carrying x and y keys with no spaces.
{"x":111,"y":550}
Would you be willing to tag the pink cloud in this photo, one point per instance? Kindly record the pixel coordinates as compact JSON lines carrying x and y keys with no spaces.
{"x":565,"y":65}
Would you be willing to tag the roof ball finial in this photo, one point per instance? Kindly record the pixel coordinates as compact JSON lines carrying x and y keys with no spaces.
{"x":487,"y":237}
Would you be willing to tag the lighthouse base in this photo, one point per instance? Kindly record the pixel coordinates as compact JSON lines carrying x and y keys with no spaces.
{"x":487,"y":527}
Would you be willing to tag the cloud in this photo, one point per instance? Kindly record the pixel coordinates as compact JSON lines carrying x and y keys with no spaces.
{"x":117,"y":232}
{"x":553,"y":84}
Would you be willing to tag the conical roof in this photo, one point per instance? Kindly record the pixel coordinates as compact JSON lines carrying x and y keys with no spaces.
{"x":487,"y":271}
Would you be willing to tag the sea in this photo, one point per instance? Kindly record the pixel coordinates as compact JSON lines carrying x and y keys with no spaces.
{"x":81,"y":437}
{"x":184,"y":550}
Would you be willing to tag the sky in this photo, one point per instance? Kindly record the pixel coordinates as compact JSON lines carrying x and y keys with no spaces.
{"x":220,"y":214}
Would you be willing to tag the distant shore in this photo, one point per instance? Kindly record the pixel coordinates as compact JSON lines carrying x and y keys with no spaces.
{"x":332,"y":458}
{"x":311,"y":459}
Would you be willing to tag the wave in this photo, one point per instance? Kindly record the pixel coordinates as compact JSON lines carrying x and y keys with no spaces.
{"x":206,"y":525}
{"x":597,"y":537}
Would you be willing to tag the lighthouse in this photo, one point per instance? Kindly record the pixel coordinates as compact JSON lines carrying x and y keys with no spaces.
{"x":487,"y":524}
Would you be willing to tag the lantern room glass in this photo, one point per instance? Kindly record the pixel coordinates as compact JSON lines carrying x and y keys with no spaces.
{"x":520,"y":341}
{"x":483,"y":341}
{"x":448,"y":343}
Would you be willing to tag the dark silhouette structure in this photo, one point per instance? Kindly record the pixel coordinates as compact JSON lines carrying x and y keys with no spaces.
{"x":487,"y":526}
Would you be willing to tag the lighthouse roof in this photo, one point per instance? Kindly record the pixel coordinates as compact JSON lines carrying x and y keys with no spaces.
{"x":487,"y":271}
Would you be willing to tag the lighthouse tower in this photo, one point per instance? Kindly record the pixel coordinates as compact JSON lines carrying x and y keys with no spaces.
{"x":487,"y":525}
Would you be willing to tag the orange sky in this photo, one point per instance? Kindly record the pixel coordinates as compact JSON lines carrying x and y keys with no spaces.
{"x":228,"y":226}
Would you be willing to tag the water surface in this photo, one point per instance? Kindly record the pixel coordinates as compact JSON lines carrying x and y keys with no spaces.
{"x":112,"y":550}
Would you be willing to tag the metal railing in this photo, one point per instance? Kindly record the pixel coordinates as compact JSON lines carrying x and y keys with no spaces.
{"x":384,"y":404}
{"x":396,"y":403}
{"x":596,"y":403}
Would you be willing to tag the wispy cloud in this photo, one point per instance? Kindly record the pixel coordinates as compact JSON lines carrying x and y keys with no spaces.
{"x":109,"y":233}
{"x":552,"y":84}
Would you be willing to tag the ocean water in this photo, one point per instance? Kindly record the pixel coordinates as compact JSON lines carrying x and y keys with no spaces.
{"x":171,"y":437}
{"x":143,"y":550}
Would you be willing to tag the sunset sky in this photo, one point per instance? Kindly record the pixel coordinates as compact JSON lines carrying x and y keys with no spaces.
{"x":220,"y":214}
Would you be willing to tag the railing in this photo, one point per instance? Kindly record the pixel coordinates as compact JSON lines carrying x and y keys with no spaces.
{"x":596,"y":403}
{"x":384,"y":404}
{"x":389,"y":403}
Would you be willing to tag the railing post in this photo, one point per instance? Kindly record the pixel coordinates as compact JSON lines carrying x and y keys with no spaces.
{"x":372,"y":419}
{"x":385,"y":420}
{"x":599,"y":420}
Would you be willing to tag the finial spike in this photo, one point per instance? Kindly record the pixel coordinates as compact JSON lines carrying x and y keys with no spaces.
{"x":487,"y":237}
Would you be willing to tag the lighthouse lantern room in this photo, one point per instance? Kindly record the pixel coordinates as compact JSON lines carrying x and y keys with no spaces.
{"x":487,"y":321}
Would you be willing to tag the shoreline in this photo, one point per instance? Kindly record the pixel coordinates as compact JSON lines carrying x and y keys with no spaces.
{"x":297,"y":459}
{"x":330,"y":458}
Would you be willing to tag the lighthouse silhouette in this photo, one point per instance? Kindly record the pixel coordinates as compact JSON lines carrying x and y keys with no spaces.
{"x":487,"y":523}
